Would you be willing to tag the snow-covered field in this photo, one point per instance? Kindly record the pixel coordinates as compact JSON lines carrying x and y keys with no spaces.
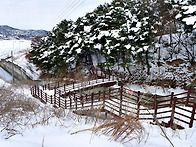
{"x":57,"y":131}
{"x":6,"y":46}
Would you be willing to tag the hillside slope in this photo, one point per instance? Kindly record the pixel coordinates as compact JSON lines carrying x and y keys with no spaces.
{"x":142,"y":38}
{"x":7,"y":32}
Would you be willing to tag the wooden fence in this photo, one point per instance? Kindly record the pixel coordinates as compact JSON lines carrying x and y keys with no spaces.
{"x":121,"y":102}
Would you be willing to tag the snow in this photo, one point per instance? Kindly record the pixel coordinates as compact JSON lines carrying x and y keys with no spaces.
{"x":103,"y":33}
{"x":58,"y":131}
{"x":5,"y":75}
{"x":79,"y":50}
{"x":19,"y":48}
{"x":56,"y":136}
{"x":155,"y":89}
{"x":190,"y":9}
{"x":6,"y":46}
{"x":30,"y":69}
{"x":190,"y":20}
{"x":70,"y":59}
{"x":135,"y":29}
{"x":178,"y":16}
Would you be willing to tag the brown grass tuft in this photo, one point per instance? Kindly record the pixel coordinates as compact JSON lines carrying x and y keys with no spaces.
{"x":123,"y":130}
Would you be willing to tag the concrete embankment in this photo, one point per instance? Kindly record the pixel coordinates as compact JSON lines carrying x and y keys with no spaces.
{"x":18,"y":72}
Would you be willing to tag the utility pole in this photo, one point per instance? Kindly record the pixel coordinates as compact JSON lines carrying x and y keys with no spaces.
{"x":12,"y":67}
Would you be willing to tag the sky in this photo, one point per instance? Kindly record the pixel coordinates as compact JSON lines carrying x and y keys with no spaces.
{"x":43,"y":14}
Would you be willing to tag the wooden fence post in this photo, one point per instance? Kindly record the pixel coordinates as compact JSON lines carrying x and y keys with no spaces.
{"x":41,"y":95}
{"x":109,"y":93}
{"x":55,"y":90}
{"x":73,"y":85}
{"x":54,"y":99}
{"x":121,"y":97}
{"x":173,"y":111}
{"x":96,"y":75}
{"x":92,"y":99}
{"x":75,"y":99}
{"x":188,"y":96}
{"x":32,"y":91}
{"x":99,"y":96}
{"x":46,"y":96}
{"x":192,"y":116}
{"x":103,"y":99}
{"x":155,"y":109}
{"x":64,"y":87}
{"x":171,"y":99}
{"x":38,"y":91}
{"x":59,"y":101}
{"x":65,"y":104}
{"x":70,"y":100}
{"x":86,"y":98}
{"x":155,"y":99}
{"x":138,"y":104}
{"x":58,"y":84}
{"x":35,"y":90}
{"x":82,"y":101}
{"x":51,"y":99}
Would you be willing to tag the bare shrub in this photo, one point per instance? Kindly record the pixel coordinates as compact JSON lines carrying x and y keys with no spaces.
{"x":15,"y":108}
{"x":19,"y":112}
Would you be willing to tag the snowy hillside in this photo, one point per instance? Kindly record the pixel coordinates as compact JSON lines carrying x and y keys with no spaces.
{"x":7,"y":32}
{"x":149,"y":41}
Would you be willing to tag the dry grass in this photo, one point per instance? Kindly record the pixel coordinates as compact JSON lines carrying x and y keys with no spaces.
{"x":19,"y":112}
{"x":123,"y":130}
{"x":14,"y":108}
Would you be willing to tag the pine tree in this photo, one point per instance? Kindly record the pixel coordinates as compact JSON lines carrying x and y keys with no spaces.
{"x":120,"y":32}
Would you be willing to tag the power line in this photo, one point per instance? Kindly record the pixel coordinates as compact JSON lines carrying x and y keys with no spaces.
{"x":71,"y":8}
{"x":75,"y":8}
{"x":57,"y":15}
{"x":64,"y":10}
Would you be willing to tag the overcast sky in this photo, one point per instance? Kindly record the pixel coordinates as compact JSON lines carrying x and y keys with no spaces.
{"x":43,"y":14}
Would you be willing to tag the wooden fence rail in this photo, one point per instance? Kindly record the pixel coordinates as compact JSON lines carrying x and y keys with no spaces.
{"x":122,"y":101}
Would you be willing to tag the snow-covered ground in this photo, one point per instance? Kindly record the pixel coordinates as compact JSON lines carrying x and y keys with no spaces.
{"x":6,"y":46}
{"x":19,"y":48}
{"x":57,"y":131}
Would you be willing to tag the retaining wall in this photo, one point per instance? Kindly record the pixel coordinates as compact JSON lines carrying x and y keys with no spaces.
{"x":18,"y":72}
